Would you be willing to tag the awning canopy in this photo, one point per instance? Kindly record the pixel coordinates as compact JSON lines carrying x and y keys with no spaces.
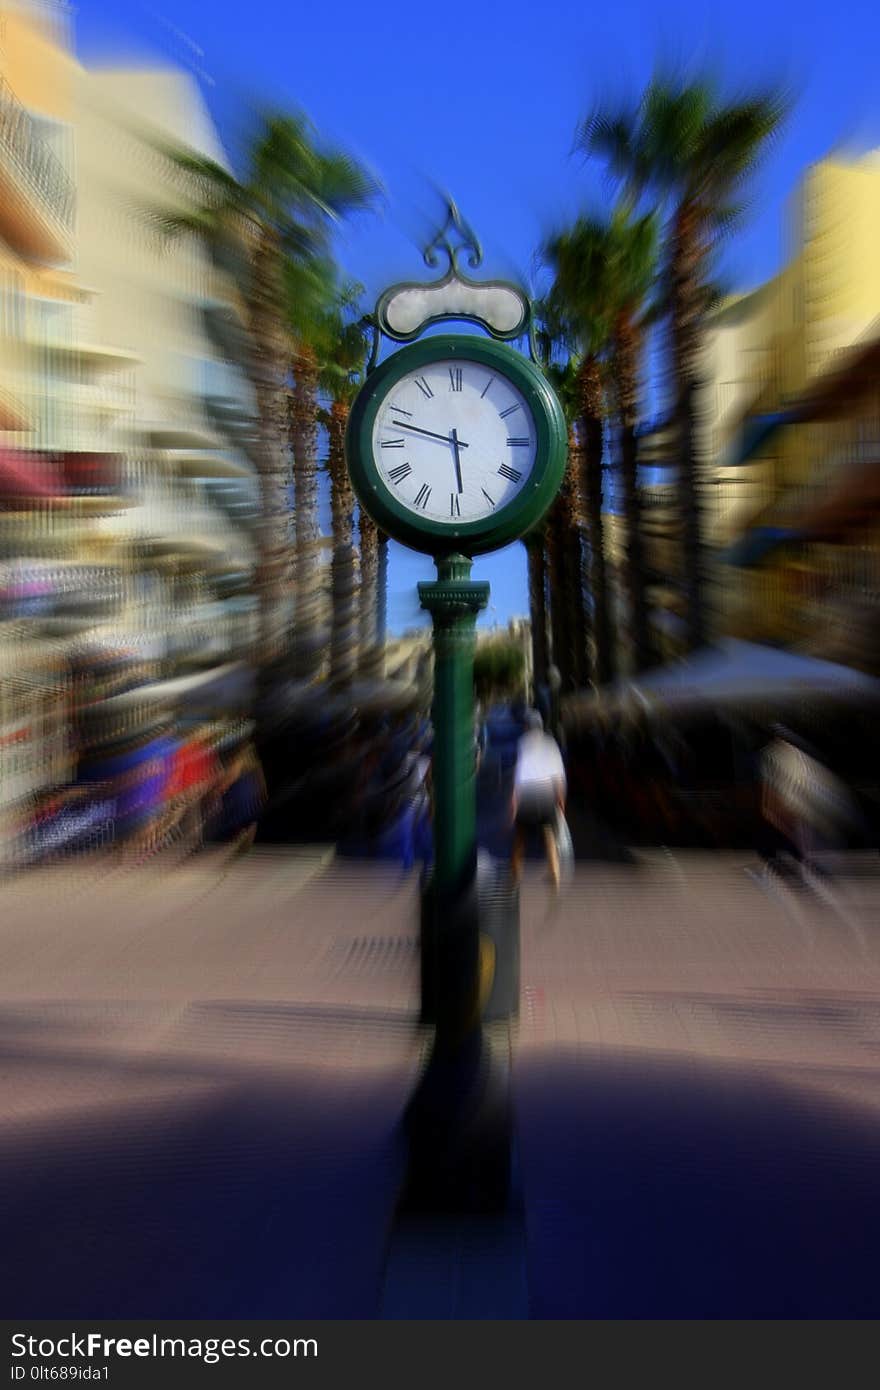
{"x":169,"y":436}
{"x":852,"y":502}
{"x":199,"y":465}
{"x":838,"y":392}
{"x":828,"y":397}
{"x":730,"y":675}
{"x":757,"y":544}
{"x":755,"y":433}
{"x":27,"y":474}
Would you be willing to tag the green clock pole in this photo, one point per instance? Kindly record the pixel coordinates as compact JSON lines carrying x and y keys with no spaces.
{"x":458,"y":1120}
{"x":454,"y":601}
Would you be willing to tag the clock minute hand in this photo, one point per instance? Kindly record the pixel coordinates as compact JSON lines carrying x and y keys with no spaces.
{"x":445,"y":438}
{"x":456,"y":445}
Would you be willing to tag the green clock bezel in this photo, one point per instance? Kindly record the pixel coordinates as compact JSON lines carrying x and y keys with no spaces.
{"x":510,"y":522}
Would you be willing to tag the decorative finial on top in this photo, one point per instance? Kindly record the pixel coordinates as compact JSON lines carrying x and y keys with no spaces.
{"x":404,"y":311}
{"x":465,"y":240}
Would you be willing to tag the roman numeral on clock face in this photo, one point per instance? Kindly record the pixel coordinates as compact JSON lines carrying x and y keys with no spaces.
{"x":398,"y":474}
{"x":424,"y":388}
{"x":454,"y":504}
{"x":391,"y":443}
{"x":422,"y":496}
{"x":490,"y":500}
{"x":455,"y":378}
{"x":509,"y":411}
{"x":518,"y":442}
{"x":512,"y":475}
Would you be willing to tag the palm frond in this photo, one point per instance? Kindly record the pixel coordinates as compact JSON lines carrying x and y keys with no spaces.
{"x":602,"y":269}
{"x":345,"y":187}
{"x":213,"y":184}
{"x":683,"y":140}
{"x":735,"y":137}
{"x":197,"y":222}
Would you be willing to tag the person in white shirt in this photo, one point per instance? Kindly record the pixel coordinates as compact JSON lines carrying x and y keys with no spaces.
{"x":808,"y":809}
{"x":539,"y":789}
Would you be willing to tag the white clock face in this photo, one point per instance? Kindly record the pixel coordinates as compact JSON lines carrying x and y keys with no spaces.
{"x":454,"y":441}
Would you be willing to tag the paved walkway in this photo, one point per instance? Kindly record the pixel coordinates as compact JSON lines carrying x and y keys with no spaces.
{"x":203,"y":1074}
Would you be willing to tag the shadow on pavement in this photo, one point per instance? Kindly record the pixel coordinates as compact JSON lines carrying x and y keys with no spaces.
{"x":264,"y":1198}
{"x":651,"y":1188}
{"x":660,"y":1189}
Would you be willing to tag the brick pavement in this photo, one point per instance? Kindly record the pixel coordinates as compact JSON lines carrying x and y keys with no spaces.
{"x":687,"y":954}
{"x":697,"y":1091}
{"x":204,"y":1071}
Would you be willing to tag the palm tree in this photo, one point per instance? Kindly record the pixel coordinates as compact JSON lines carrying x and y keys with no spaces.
{"x":551,"y":546}
{"x":382,"y":596}
{"x":312,"y":322}
{"x":535,"y":544}
{"x":369,"y":629}
{"x":570,"y":624}
{"x":685,"y":142}
{"x":331,"y":186}
{"x":577,"y":304}
{"x":281,"y":211}
{"x":632,"y":267}
{"x":340,"y":379}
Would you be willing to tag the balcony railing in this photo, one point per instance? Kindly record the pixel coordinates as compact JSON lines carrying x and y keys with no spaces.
{"x":35,"y":162}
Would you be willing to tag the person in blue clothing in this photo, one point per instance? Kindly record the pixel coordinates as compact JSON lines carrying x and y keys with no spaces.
{"x":238,"y":799}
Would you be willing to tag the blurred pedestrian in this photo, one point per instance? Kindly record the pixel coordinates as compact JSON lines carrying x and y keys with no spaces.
{"x":194,"y":772}
{"x":782,"y":776}
{"x":809,"y":814}
{"x":539,"y":791}
{"x":239,"y":798}
{"x":481,"y":739}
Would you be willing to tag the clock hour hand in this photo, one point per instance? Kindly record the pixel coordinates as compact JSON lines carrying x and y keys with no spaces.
{"x":456,"y":445}
{"x":446,"y":439}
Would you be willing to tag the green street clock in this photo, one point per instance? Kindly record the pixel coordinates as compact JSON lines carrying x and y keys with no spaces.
{"x":456,"y":443}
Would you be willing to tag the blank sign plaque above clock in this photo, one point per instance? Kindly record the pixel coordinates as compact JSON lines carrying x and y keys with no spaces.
{"x":456,"y":443}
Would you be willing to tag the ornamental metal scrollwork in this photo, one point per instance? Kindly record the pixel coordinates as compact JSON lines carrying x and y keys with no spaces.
{"x":405,"y":310}
{"x":442,"y":241}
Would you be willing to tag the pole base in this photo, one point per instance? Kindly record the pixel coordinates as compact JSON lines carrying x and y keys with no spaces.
{"x":459,"y":1128}
{"x":499,"y":930}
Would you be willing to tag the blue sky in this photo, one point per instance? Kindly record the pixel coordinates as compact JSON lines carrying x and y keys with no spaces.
{"x":483,"y":99}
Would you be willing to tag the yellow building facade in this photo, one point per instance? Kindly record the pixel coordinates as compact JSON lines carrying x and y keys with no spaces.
{"x":790,"y":411}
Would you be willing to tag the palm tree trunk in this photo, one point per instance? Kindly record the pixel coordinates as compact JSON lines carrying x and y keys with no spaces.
{"x":626,"y":355}
{"x":571,"y":573}
{"x":370,"y":656}
{"x":308,"y":641}
{"x":570,"y":625}
{"x":591,"y":411}
{"x":582,"y":619}
{"x":581,"y":622}
{"x":382,"y":591}
{"x":559,"y":643}
{"x":268,"y":370}
{"x":687,"y":259}
{"x":344,"y":631}
{"x":538,"y":608}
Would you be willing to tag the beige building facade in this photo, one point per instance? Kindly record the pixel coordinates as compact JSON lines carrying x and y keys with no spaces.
{"x":127,"y":508}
